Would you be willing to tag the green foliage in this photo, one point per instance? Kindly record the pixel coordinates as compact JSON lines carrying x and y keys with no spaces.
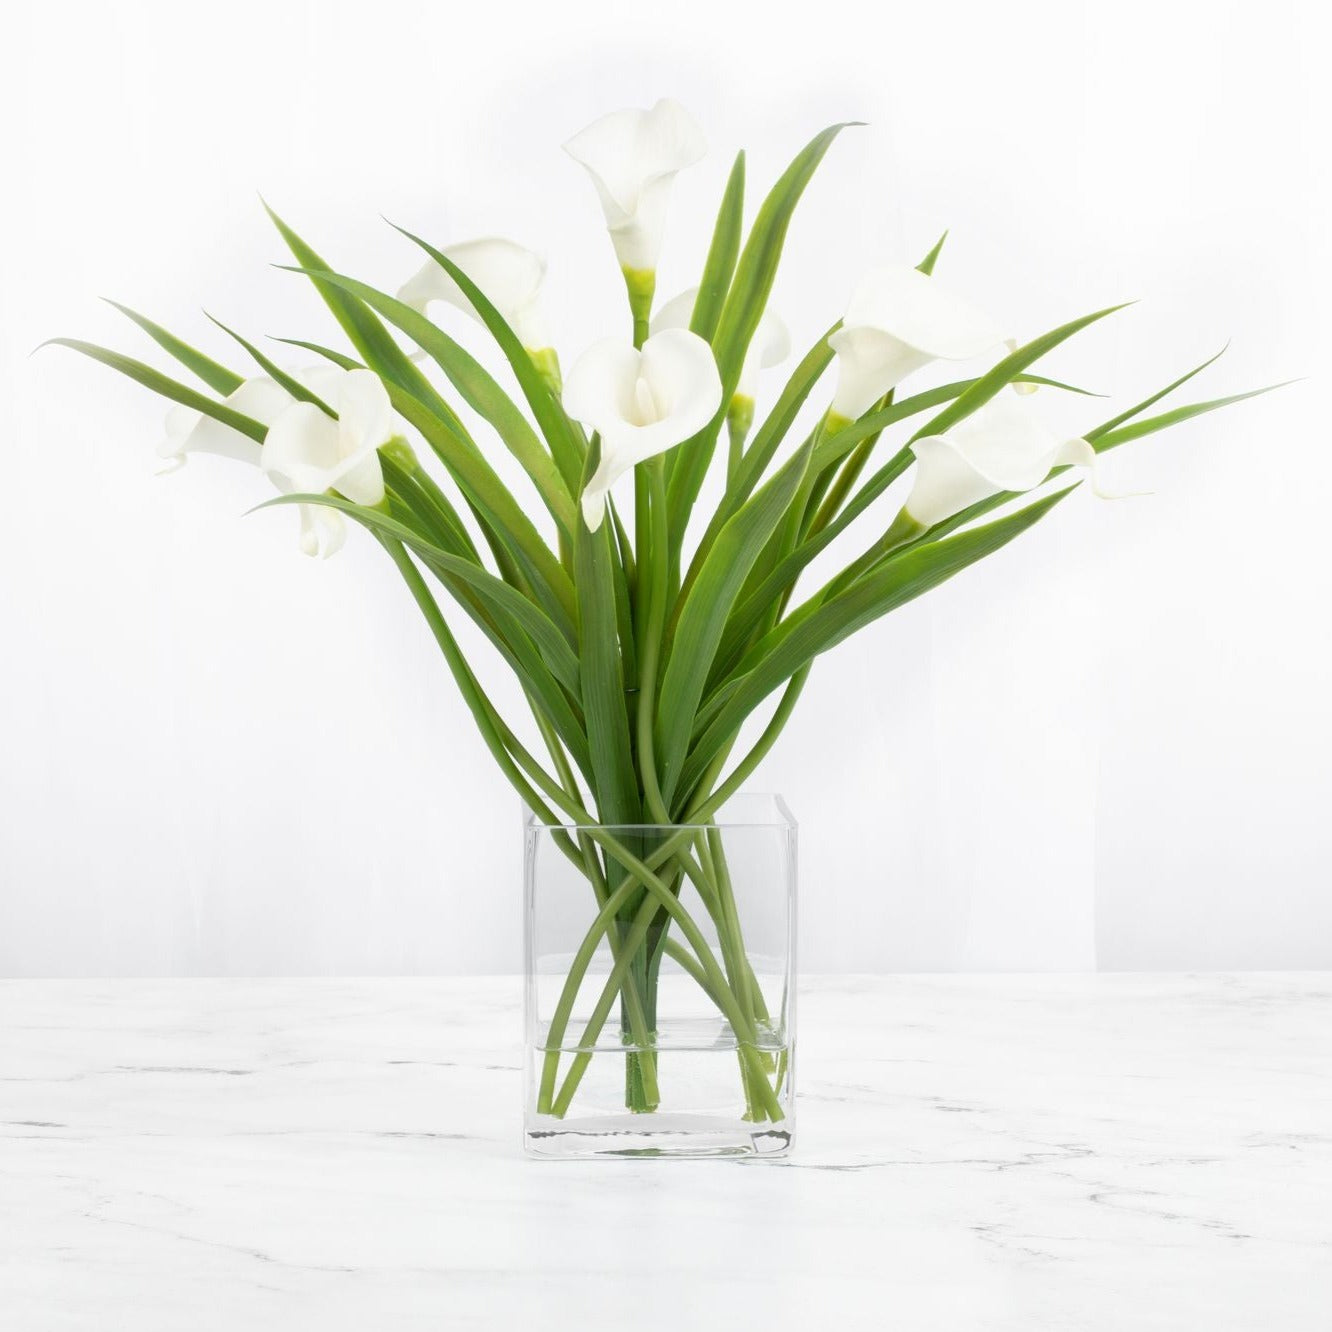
{"x":640,"y":679}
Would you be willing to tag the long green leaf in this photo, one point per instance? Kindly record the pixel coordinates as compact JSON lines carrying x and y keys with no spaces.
{"x":745,"y":303}
{"x":217,"y":377}
{"x":367,"y":333}
{"x":707,"y":606}
{"x":166,"y":386}
{"x":1008,"y":370}
{"x":563,"y":436}
{"x":801,"y":638}
{"x":1102,"y":439}
{"x":538,"y":653}
{"x":328,"y":353}
{"x":497,"y":510}
{"x":719,"y":267}
{"x":1138,"y":408}
{"x":275,"y":372}
{"x":601,"y":667}
{"x":766,"y":443}
{"x":478,"y":389}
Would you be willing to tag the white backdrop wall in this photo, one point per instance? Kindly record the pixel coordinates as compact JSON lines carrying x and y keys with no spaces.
{"x":1108,"y":746}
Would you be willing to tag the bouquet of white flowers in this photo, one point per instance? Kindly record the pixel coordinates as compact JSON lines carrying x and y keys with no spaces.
{"x":645,"y":632}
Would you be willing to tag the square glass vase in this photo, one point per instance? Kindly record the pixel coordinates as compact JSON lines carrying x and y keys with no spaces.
{"x":660,"y":986}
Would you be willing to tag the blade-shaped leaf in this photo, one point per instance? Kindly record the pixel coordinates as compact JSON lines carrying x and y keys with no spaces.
{"x":478,"y":389}
{"x":719,"y":267}
{"x":601,"y":668}
{"x":553,"y":660}
{"x":563,"y":436}
{"x":926,"y":265}
{"x":1138,"y":408}
{"x":500,"y":514}
{"x":217,"y":377}
{"x":1113,"y":438}
{"x":1008,"y":370}
{"x":704,"y":610}
{"x":766,"y":443}
{"x":337,"y":357}
{"x":802,"y":637}
{"x":275,"y":372}
{"x":166,"y":386}
{"x":745,"y":303}
{"x":367,"y":333}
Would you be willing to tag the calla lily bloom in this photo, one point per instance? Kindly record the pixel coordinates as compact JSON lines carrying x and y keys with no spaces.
{"x":632,"y":157}
{"x":770,"y":345}
{"x":307,"y":450}
{"x":1002,"y":446}
{"x":188,"y":431}
{"x":509,"y":276}
{"x":897,"y":321}
{"x":641,"y":403}
{"x":310,"y":455}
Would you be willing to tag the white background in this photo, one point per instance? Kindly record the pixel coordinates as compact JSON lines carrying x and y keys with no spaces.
{"x":1107,"y":746}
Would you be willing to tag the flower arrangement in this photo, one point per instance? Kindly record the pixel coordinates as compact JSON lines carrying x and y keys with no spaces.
{"x":646,"y":632}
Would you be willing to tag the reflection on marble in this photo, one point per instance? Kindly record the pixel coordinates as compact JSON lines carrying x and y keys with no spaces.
{"x":988,"y":1153}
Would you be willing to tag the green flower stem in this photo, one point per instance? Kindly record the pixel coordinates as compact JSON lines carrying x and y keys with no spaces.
{"x":641,"y":284}
{"x":903,"y":529}
{"x":703,"y":808}
{"x":650,"y":644}
{"x":754,"y":1062}
{"x":638,"y":1022}
{"x":652,"y":524}
{"x":663,"y":896}
{"x":546,"y":361}
{"x":767,"y":1105}
{"x":739,"y":421}
{"x":829,"y":478}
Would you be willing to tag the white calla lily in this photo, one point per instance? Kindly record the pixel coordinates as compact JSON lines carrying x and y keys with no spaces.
{"x":1002,"y":446}
{"x":641,"y":403}
{"x":312,"y":455}
{"x":632,"y":157}
{"x":770,"y":345}
{"x":509,"y":276}
{"x":307,"y":450}
{"x":897,"y":321}
{"x":188,"y":431}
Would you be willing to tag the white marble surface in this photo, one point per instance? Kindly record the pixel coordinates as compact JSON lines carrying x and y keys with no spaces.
{"x":1092,"y":1152}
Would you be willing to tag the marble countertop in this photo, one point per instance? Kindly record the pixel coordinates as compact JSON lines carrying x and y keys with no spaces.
{"x":1062,"y":1152}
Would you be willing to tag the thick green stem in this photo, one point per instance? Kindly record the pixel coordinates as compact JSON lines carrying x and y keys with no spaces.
{"x":660,"y":895}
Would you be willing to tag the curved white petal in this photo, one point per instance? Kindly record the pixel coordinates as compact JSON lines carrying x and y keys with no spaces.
{"x":599,"y":388}
{"x":898,"y":320}
{"x":1003,"y":446}
{"x":322,"y":379}
{"x":869,"y":363}
{"x":510,"y":277}
{"x":676,"y":313}
{"x":770,"y":345}
{"x":640,"y":403}
{"x":323,"y":530}
{"x":302,"y":447}
{"x":189,"y":431}
{"x":632,"y":157}
{"x":307,"y":450}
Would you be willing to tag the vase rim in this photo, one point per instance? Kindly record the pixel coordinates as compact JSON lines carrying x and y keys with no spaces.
{"x":745,"y":809}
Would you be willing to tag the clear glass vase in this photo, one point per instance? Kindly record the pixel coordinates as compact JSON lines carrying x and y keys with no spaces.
{"x":660,"y":996}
